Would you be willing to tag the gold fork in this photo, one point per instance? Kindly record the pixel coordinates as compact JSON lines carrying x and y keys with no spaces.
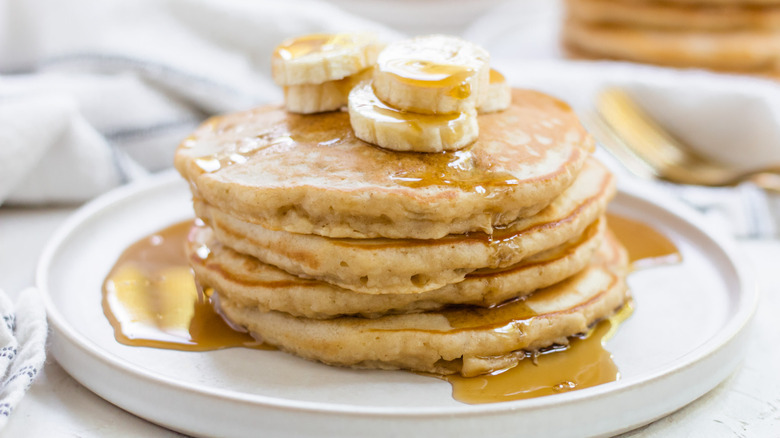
{"x":647,"y":149}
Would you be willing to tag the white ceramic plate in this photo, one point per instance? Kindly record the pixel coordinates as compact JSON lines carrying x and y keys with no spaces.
{"x":686,"y":335}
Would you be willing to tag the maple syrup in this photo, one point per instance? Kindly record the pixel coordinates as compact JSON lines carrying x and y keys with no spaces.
{"x":416,"y":121}
{"x":582,"y":364}
{"x":496,"y":77}
{"x":646,"y":246}
{"x":151,"y":300}
{"x":455,"y":169}
{"x":302,"y":46}
{"x":426,"y":74}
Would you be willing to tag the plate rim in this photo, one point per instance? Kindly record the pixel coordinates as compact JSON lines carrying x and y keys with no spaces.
{"x":736,"y":324}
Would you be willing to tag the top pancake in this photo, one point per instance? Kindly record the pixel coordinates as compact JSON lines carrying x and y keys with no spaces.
{"x":310,"y":174}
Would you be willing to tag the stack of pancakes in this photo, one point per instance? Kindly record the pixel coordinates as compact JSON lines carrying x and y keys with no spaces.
{"x":729,"y":35}
{"x":455,"y":262}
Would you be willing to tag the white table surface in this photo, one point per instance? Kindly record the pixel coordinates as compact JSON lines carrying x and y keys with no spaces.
{"x":745,"y":405}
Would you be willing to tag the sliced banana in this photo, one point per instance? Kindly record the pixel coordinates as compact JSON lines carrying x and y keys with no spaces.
{"x":499,"y":95}
{"x":328,"y":96}
{"x":318,"y":58}
{"x":378,"y":123}
{"x":434,"y":74}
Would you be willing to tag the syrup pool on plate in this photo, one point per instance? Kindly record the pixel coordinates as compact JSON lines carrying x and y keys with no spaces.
{"x":646,"y":246}
{"x":151,"y":300}
{"x":582,"y":364}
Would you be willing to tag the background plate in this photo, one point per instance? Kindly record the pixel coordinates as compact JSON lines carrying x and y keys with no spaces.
{"x":686,"y":335}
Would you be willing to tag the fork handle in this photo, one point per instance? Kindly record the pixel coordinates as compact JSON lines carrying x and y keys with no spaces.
{"x":769,"y":181}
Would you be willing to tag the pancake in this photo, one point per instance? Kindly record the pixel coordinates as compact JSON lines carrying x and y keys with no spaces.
{"x":628,"y":13}
{"x":251,"y":283}
{"x":309,"y":174}
{"x":754,"y":3}
{"x":467,"y":340}
{"x":743,"y":50}
{"x":380,"y":266}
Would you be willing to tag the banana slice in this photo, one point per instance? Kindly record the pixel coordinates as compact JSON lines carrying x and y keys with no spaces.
{"x":328,"y":96}
{"x":318,"y":58}
{"x":499,"y":95}
{"x":378,"y":123}
{"x":435,"y":74}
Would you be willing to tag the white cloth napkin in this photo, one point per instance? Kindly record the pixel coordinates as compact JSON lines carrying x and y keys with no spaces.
{"x":22,"y":347}
{"x":95,"y":92}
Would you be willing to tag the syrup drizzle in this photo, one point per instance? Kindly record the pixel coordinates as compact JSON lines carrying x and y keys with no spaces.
{"x":305,"y":45}
{"x":420,"y":73}
{"x":416,"y":122}
{"x":457,"y":169}
{"x":496,"y":77}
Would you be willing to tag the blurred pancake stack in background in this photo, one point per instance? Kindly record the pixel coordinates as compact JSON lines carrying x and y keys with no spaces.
{"x":724,"y":35}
